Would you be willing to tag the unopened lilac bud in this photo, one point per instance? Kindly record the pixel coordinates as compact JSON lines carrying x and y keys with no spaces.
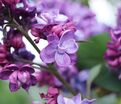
{"x":17,"y":42}
{"x":14,"y":39}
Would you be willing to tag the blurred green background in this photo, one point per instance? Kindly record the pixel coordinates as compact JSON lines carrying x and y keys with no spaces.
{"x":19,"y":97}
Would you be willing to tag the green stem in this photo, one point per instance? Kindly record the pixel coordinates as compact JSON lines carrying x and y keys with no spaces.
{"x":56,"y":73}
{"x":88,"y":90}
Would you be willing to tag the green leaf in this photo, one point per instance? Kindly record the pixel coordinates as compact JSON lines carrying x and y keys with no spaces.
{"x":94,"y":73}
{"x":109,"y":99}
{"x":92,"y":52}
{"x":108,"y":80}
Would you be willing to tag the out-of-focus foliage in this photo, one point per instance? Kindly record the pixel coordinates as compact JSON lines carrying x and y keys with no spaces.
{"x":108,"y":99}
{"x":19,"y":97}
{"x":91,"y":53}
{"x":108,"y":80}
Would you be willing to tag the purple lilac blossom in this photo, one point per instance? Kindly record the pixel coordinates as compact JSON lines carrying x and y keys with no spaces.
{"x":74,"y":100}
{"x":113,"y":52}
{"x":59,"y":50}
{"x":18,"y":76}
{"x":46,"y":23}
{"x":51,"y":17}
{"x":82,"y":16}
{"x":51,"y":96}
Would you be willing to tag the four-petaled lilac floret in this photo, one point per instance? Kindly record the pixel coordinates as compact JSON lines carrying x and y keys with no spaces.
{"x":60,"y":50}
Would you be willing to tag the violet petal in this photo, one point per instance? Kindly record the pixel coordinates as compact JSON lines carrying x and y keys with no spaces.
{"x":70,"y":46}
{"x":48,"y":53}
{"x":62,"y":59}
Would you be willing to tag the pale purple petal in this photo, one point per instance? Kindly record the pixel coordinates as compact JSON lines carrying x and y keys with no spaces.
{"x":69,"y":101}
{"x":61,"y":19}
{"x":70,"y":46}
{"x":62,"y":59}
{"x":60,"y":100}
{"x":23,"y":76}
{"x":49,"y":16}
{"x":86,"y":101}
{"x":77,"y":99}
{"x":52,"y":38}
{"x":41,"y":21}
{"x":80,"y":36}
{"x":48,"y":53}
{"x":67,"y":35}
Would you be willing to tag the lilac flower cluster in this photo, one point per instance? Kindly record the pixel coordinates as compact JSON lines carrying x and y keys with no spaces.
{"x":18,"y":76}
{"x":12,"y":49}
{"x":62,"y":30}
{"x":18,"y":73}
{"x":81,"y":15}
{"x":53,"y":97}
{"x":113,"y":52}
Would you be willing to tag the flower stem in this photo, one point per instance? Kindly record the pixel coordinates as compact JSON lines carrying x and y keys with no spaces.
{"x":56,"y":73}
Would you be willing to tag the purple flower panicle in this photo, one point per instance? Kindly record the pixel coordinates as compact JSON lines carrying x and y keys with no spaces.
{"x":113,"y":52}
